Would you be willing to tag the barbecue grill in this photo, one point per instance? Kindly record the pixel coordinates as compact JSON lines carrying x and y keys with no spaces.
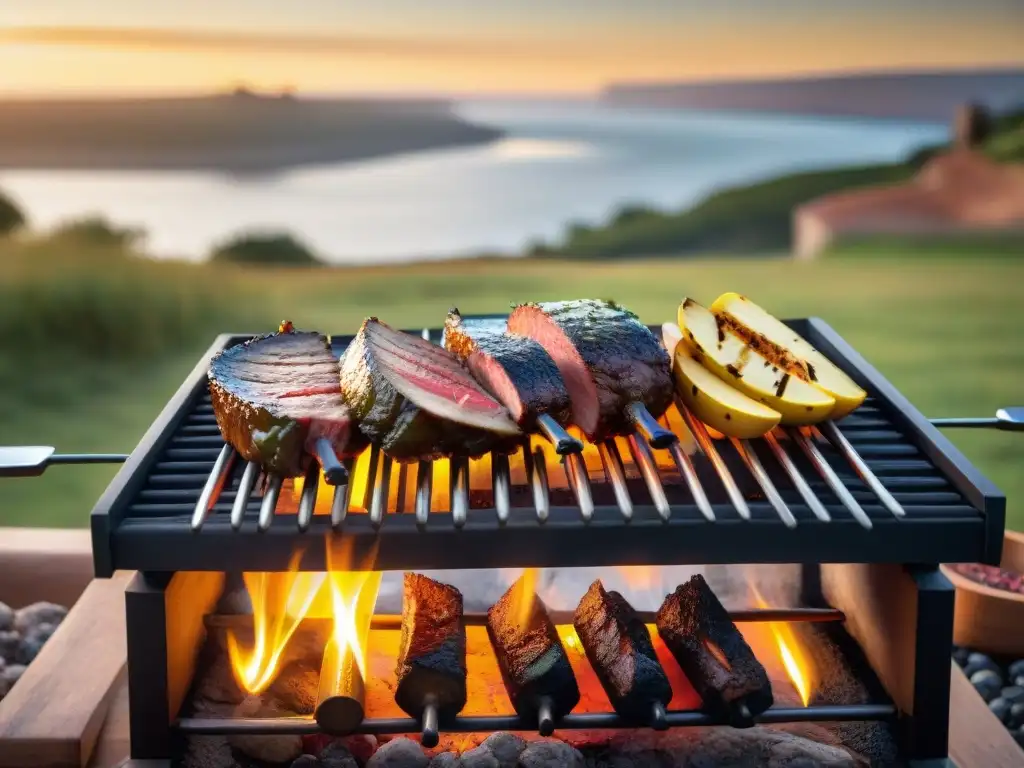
{"x":869,"y":506}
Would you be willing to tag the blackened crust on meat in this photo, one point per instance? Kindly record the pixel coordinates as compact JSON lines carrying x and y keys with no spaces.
{"x":381,"y":369}
{"x":613,"y":350}
{"x":432,"y":653}
{"x":619,"y":648}
{"x":530,"y":655}
{"x":698,"y":631}
{"x":276,"y":394}
{"x":515,"y":369}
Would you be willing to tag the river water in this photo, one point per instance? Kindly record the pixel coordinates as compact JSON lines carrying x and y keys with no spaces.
{"x":559,"y":163}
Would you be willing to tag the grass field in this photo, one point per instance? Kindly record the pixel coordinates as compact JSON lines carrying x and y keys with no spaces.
{"x":94,"y":344}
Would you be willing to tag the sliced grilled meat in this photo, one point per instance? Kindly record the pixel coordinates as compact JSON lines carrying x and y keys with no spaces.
{"x":276,"y":396}
{"x":534,"y":666}
{"x":515,"y":369}
{"x":432,"y":655}
{"x":416,"y":400}
{"x":619,"y":648}
{"x":608,"y":359}
{"x":700,"y":634}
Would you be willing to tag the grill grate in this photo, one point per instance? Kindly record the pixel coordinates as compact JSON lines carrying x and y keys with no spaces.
{"x":820,"y":494}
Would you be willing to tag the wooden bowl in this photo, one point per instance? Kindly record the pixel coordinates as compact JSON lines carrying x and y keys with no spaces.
{"x":987,"y":619}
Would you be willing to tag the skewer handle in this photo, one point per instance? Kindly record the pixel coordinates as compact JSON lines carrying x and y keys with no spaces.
{"x":656,"y":435}
{"x":564,"y":442}
{"x":334,"y":471}
{"x":658,"y":721}
{"x":545,"y":720}
{"x":429,"y":735}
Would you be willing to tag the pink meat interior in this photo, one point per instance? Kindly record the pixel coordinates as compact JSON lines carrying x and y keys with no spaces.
{"x":495,"y":380}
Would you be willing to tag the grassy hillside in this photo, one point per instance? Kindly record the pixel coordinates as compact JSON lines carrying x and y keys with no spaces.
{"x":94,"y":344}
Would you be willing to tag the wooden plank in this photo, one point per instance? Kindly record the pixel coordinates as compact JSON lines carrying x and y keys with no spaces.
{"x":52,"y":717}
{"x":48,"y":564}
{"x":113,"y":743}
{"x":976,"y":738}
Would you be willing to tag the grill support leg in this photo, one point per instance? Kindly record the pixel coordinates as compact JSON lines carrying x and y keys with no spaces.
{"x":902,"y":618}
{"x":164,"y":621}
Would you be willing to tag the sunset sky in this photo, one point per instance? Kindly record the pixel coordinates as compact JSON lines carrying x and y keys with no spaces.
{"x":492,"y":46}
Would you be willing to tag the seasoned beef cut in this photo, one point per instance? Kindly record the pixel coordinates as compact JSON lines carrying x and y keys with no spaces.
{"x":607,"y":358}
{"x":533,"y":663}
{"x":515,"y":369}
{"x":432,"y":655}
{"x":619,"y":648}
{"x":417,"y":401}
{"x":275,"y":396}
{"x":718,"y":662}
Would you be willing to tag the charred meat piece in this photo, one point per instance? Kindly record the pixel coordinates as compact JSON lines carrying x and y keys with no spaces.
{"x":619,"y":648}
{"x":276,"y":396}
{"x":723,"y":670}
{"x":608,"y":359}
{"x":416,"y":400}
{"x":515,"y":369}
{"x":534,"y":666}
{"x":432,"y":655}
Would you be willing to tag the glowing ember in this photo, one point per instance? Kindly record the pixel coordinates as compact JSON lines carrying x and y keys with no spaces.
{"x":279,"y":602}
{"x":570,"y":639}
{"x":798,"y":666}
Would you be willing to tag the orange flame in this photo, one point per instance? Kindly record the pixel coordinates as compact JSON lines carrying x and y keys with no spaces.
{"x":353,"y":596}
{"x":524,"y":595}
{"x":279,"y":603}
{"x":798,"y":666}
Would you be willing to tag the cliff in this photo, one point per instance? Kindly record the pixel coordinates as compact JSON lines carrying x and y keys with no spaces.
{"x":240,"y":133}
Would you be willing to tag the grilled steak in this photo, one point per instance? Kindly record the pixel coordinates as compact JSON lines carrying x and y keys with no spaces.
{"x":515,"y":369}
{"x":607,"y":358}
{"x":619,"y":648}
{"x":275,"y":396}
{"x":432,"y":654}
{"x":700,"y":634}
{"x":533,"y":663}
{"x":416,"y":400}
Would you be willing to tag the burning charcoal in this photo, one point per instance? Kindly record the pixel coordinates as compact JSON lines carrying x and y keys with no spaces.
{"x":551,"y":754}
{"x":272,"y":749}
{"x":533,"y":663}
{"x":306,"y":761}
{"x":11,"y":674}
{"x":1000,"y":708}
{"x":960,"y":655}
{"x":336,"y":755}
{"x":506,"y":747}
{"x":9,"y":642}
{"x":399,"y":753}
{"x":976,"y":662}
{"x":38,"y":613}
{"x":987,"y":683}
{"x":6,"y":617}
{"x":1016,"y":670}
{"x":619,"y":648}
{"x":32,"y":642}
{"x":719,"y":664}
{"x":478,"y":757}
{"x":444,"y":760}
{"x":1016,"y":717}
{"x":295,"y":687}
{"x":431,"y":669}
{"x":1013,"y":694}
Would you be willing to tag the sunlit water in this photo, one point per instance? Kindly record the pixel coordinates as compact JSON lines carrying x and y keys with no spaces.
{"x":557,"y":164}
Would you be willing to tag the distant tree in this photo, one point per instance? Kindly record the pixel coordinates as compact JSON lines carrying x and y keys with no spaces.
{"x":99,"y":232}
{"x":11,"y":216}
{"x":270,"y":249}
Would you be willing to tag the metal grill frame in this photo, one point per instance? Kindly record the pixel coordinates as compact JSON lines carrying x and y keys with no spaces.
{"x":582,"y":535}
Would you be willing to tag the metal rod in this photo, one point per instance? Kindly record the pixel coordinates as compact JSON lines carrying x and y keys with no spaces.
{"x":838,"y":439}
{"x":334,"y":471}
{"x":300,"y":726}
{"x":249,"y":477}
{"x":560,"y":617}
{"x":88,"y":458}
{"x":429,"y":734}
{"x":270,"y":496}
{"x":829,"y":476}
{"x":381,"y":488}
{"x":459,"y":484}
{"x":659,"y":721}
{"x":424,"y":489}
{"x":576,"y":473}
{"x":809,"y":496}
{"x":689,"y":473}
{"x":564,"y":442}
{"x":537,"y":474}
{"x":214,"y":482}
{"x":501,"y":485}
{"x":642,"y":457}
{"x":402,"y":486}
{"x":340,"y":700}
{"x":307,"y":501}
{"x":613,"y":470}
{"x":545,"y":720}
{"x":656,"y":435}
{"x":707,"y":445}
{"x":753,"y":462}
{"x":1010,"y":419}
{"x":371,"y":477}
{"x":342,"y":499}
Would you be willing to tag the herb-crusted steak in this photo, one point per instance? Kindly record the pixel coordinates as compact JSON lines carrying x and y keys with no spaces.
{"x":416,"y":400}
{"x":515,"y":369}
{"x":275,"y":396}
{"x":607,"y":358}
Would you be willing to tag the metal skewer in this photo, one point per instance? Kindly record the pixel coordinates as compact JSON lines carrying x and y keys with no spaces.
{"x":616,"y":475}
{"x":218,"y":475}
{"x":245,"y":486}
{"x":656,"y":435}
{"x":708,"y":447}
{"x":563,"y":442}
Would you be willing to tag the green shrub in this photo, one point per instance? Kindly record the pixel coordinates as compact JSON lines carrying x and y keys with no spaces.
{"x":11,"y":216}
{"x":279,"y":249}
{"x":98,"y":232}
